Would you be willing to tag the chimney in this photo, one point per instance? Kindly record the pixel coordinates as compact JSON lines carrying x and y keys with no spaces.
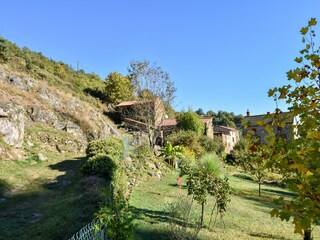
{"x":248,"y":113}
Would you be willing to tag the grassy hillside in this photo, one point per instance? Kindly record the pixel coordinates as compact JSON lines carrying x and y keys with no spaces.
{"x":247,"y":216}
{"x":59,"y":74}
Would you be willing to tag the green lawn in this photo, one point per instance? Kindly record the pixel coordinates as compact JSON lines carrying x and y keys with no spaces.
{"x":44,"y":200}
{"x":247,"y":216}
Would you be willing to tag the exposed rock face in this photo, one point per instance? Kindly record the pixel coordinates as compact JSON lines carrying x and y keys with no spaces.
{"x":47,"y":117}
{"x":25,"y":84}
{"x":50,"y":98}
{"x":42,"y":115}
{"x":12,"y":123}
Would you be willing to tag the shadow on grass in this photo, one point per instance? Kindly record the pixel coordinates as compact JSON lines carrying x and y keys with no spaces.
{"x":267,"y":236}
{"x":150,"y":215}
{"x":67,"y":166}
{"x":4,"y":187}
{"x":153,"y":234}
{"x":267,"y":195}
{"x":43,"y":209}
{"x":281,"y":193}
{"x":155,"y":217}
{"x":176,"y":185}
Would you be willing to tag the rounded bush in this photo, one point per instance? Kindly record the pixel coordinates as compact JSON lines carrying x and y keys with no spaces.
{"x":111,"y":146}
{"x":100,"y":165}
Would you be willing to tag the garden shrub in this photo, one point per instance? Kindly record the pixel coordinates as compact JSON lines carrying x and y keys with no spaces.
{"x":188,"y":139}
{"x":212,"y":164}
{"x":111,"y":146}
{"x":190,"y":121}
{"x":211,"y":145}
{"x":188,"y":153}
{"x":144,"y":152}
{"x":100,"y":165}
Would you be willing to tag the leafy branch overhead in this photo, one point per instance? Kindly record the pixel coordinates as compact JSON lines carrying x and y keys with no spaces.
{"x":298,"y":158}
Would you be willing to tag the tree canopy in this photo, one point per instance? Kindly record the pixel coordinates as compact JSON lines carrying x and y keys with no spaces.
{"x":154,"y":90}
{"x":298,"y":158}
{"x":119,"y":88}
{"x":189,"y":121}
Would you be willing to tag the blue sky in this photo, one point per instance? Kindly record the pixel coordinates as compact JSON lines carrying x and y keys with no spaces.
{"x":222,"y":55}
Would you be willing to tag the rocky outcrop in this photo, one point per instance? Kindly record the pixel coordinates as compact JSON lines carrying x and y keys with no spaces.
{"x":25,"y":103}
{"x":42,"y":115}
{"x":12,"y":123}
{"x":24,"y":84}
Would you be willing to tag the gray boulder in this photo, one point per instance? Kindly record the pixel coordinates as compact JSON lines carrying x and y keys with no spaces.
{"x":12,"y":123}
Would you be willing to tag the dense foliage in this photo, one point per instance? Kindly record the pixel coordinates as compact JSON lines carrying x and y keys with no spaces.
{"x":119,"y":88}
{"x":4,"y":54}
{"x":194,"y":144}
{"x":102,"y":165}
{"x":111,"y":146}
{"x":225,"y":118}
{"x":114,"y":215}
{"x":189,"y":121}
{"x":171,"y":153}
{"x":104,"y":156}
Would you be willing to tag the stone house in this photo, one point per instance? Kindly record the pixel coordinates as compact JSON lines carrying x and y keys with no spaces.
{"x":253,"y":124}
{"x":142,"y":113}
{"x":133,"y":115}
{"x":208,"y":126}
{"x":229,"y":136}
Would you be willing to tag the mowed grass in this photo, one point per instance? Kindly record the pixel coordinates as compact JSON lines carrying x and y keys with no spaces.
{"x":247,"y":216}
{"x":45,"y":200}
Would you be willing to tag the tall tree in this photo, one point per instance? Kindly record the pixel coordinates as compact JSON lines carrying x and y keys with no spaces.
{"x":154,"y":90}
{"x":118,"y":88}
{"x":199,"y":112}
{"x":211,"y":113}
{"x":298,"y":158}
{"x":189,"y":121}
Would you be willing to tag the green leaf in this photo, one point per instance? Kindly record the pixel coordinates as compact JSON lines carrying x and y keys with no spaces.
{"x":304,"y":30}
{"x":298,"y":60}
{"x":274,"y":213}
{"x":314,"y":57}
{"x":271,"y":92}
{"x":298,"y":228}
{"x":312,"y":22}
{"x":284,"y":215}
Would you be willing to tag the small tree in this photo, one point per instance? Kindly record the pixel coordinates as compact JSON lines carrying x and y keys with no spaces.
{"x":204,"y":180}
{"x":118,"y":88}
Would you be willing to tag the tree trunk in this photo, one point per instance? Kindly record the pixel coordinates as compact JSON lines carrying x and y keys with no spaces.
{"x":259,"y":188}
{"x":202,"y":213}
{"x":150,"y":137}
{"x":307,"y":235}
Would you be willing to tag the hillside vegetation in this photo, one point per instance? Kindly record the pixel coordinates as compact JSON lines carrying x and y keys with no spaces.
{"x":55,"y":73}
